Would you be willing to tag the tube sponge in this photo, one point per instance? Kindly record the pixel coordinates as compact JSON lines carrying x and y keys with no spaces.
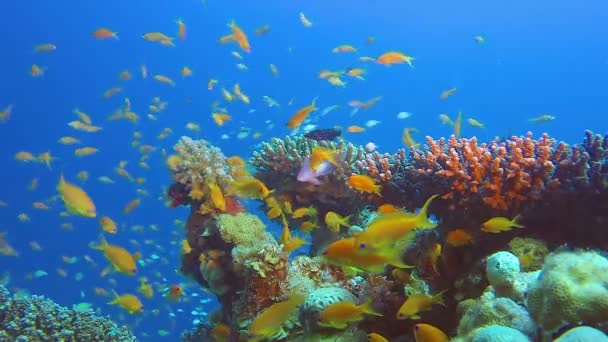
{"x":572,"y":287}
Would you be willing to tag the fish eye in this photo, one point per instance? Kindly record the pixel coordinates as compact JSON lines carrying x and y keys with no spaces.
{"x":416,"y":327}
{"x":362,"y":245}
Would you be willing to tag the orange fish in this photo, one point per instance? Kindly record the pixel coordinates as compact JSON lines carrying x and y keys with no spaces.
{"x":238,"y":36}
{"x":445,"y":94}
{"x":181,"y":29}
{"x":36,"y":71}
{"x":365,"y":184}
{"x":394,"y":57}
{"x":387,"y":208}
{"x":355,"y":129}
{"x":458,"y":237}
{"x":298,"y":118}
{"x":175,"y":292}
{"x":104,"y":33}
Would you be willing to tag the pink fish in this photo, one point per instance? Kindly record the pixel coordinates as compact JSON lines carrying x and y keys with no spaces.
{"x":308,"y":175}
{"x":370,"y":147}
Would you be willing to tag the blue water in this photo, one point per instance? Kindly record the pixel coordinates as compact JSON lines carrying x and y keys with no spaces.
{"x":539,"y":57}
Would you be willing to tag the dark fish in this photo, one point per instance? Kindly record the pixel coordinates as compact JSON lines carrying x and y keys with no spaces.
{"x":323,"y":134}
{"x":179,"y":194}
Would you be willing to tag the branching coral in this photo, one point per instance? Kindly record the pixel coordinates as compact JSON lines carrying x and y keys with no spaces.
{"x":36,"y":318}
{"x":279,"y":161}
{"x":506,"y":174}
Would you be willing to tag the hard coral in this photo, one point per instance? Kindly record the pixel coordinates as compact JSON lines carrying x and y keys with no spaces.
{"x":504,"y":174}
{"x":241,"y":229}
{"x":571,"y":288}
{"x":36,"y":318}
{"x":530,"y":252}
{"x":199,"y":161}
{"x":489,"y":310}
{"x":280,"y":160}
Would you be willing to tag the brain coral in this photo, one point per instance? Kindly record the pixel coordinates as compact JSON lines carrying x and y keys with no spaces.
{"x":572,"y":287}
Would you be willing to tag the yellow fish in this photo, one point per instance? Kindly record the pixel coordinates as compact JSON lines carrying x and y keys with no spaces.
{"x":75,"y":199}
{"x":251,"y":188}
{"x":128,"y":302}
{"x":500,"y":224}
{"x":375,"y":337}
{"x":145,"y":288}
{"x":120,"y":258}
{"x":334,"y":221}
{"x":416,"y":303}
{"x":108,"y":225}
{"x":340,"y":314}
{"x":270,"y":320}
{"x":428,"y":333}
{"x":345,"y":253}
{"x":389,"y":228}
{"x":217,"y":197}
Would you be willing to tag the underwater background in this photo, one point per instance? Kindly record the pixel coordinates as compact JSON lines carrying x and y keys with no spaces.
{"x":510,"y":62}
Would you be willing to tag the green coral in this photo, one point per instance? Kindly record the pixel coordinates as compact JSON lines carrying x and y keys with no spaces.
{"x":530,"y":252}
{"x":242,"y":229}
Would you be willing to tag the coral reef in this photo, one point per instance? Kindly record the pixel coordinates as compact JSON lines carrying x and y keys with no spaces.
{"x":506,"y":174}
{"x":496,"y":333}
{"x":491,"y":310}
{"x":279,"y":161}
{"x":317,"y":301}
{"x":36,"y":318}
{"x":234,"y":255}
{"x":530,"y":252}
{"x":571,"y":289}
{"x":582,"y":334}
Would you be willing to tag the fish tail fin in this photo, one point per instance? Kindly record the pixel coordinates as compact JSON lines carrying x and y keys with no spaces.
{"x":102,"y":244}
{"x":115,"y":297}
{"x":395,"y":254}
{"x":378,"y":190}
{"x":424,"y":221}
{"x":438,"y":298}
{"x":347,"y":220}
{"x":297,"y":298}
{"x":515,"y":223}
{"x":367,"y":308}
